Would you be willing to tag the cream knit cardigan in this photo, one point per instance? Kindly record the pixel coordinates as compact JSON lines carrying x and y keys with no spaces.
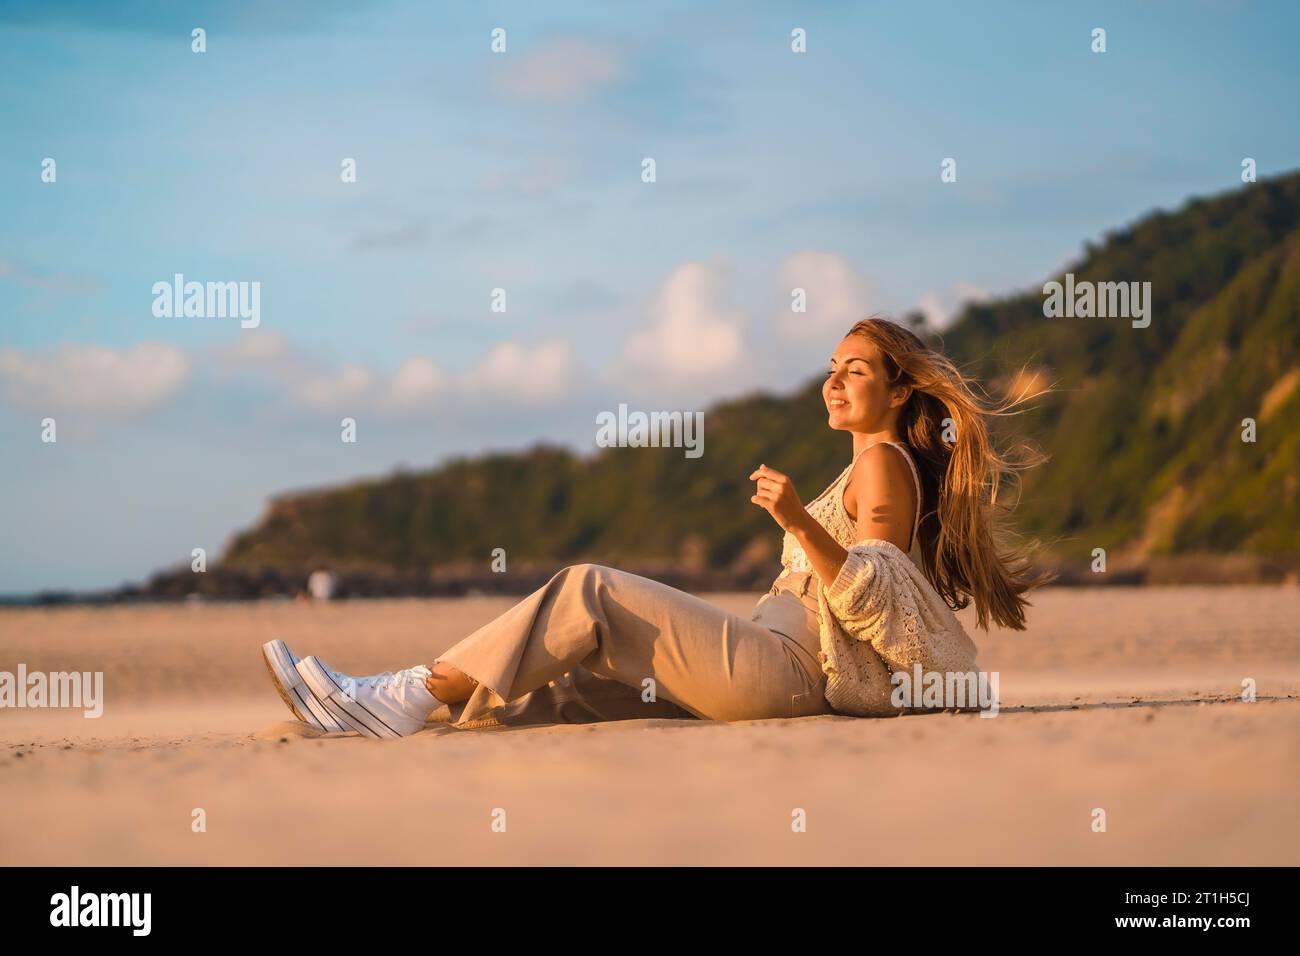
{"x":882,"y":615}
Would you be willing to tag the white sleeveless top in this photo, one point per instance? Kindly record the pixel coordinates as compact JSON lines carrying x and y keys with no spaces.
{"x":828,"y":510}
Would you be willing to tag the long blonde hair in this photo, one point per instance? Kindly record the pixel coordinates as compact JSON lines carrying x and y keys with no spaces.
{"x":961,"y":517}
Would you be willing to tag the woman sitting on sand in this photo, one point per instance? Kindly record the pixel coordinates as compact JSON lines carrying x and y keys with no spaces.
{"x":851,"y":607}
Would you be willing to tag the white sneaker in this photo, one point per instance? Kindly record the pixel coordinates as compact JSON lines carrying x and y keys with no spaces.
{"x":385,"y":705}
{"x":283,"y":665}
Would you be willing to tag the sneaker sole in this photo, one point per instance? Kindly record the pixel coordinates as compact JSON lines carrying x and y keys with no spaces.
{"x":295,"y":694}
{"x":346,"y":709}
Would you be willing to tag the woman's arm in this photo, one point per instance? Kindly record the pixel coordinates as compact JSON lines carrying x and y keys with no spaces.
{"x":879,"y":489}
{"x":824,"y":553}
{"x":881,"y":494}
{"x":776,"y":493}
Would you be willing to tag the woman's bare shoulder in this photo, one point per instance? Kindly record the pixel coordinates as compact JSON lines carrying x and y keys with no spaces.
{"x":880,"y":474}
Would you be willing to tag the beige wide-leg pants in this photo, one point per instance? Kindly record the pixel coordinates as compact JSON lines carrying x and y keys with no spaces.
{"x":595,"y":643}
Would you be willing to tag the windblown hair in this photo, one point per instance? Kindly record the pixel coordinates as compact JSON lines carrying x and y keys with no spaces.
{"x":962,"y":520}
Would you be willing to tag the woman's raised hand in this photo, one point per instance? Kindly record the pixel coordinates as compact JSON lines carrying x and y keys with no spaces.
{"x":776,"y":495}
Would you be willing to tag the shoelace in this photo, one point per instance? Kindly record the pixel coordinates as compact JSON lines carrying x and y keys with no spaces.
{"x":393,"y":681}
{"x":350,"y":685}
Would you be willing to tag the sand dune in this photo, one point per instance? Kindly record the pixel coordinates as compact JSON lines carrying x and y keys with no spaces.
{"x":1123,"y":699}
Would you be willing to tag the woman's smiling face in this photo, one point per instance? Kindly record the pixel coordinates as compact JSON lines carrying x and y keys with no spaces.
{"x":857,"y":390}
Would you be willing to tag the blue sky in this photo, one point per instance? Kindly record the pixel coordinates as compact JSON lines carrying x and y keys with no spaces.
{"x":522,"y":171}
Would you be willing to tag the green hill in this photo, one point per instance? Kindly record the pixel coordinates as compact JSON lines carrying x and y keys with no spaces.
{"x":1144,"y":435}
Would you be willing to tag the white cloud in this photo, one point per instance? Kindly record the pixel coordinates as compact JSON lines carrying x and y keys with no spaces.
{"x":94,"y":378}
{"x":837,"y":296}
{"x":255,"y":347}
{"x":543,"y":371}
{"x":510,"y":370}
{"x":108,"y":381}
{"x":941,"y":306}
{"x":348,"y":386}
{"x":690,"y":340}
{"x":564,"y":70}
{"x":416,"y":382}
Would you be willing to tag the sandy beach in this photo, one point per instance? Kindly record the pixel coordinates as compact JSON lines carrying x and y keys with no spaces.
{"x":1122,"y":699}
